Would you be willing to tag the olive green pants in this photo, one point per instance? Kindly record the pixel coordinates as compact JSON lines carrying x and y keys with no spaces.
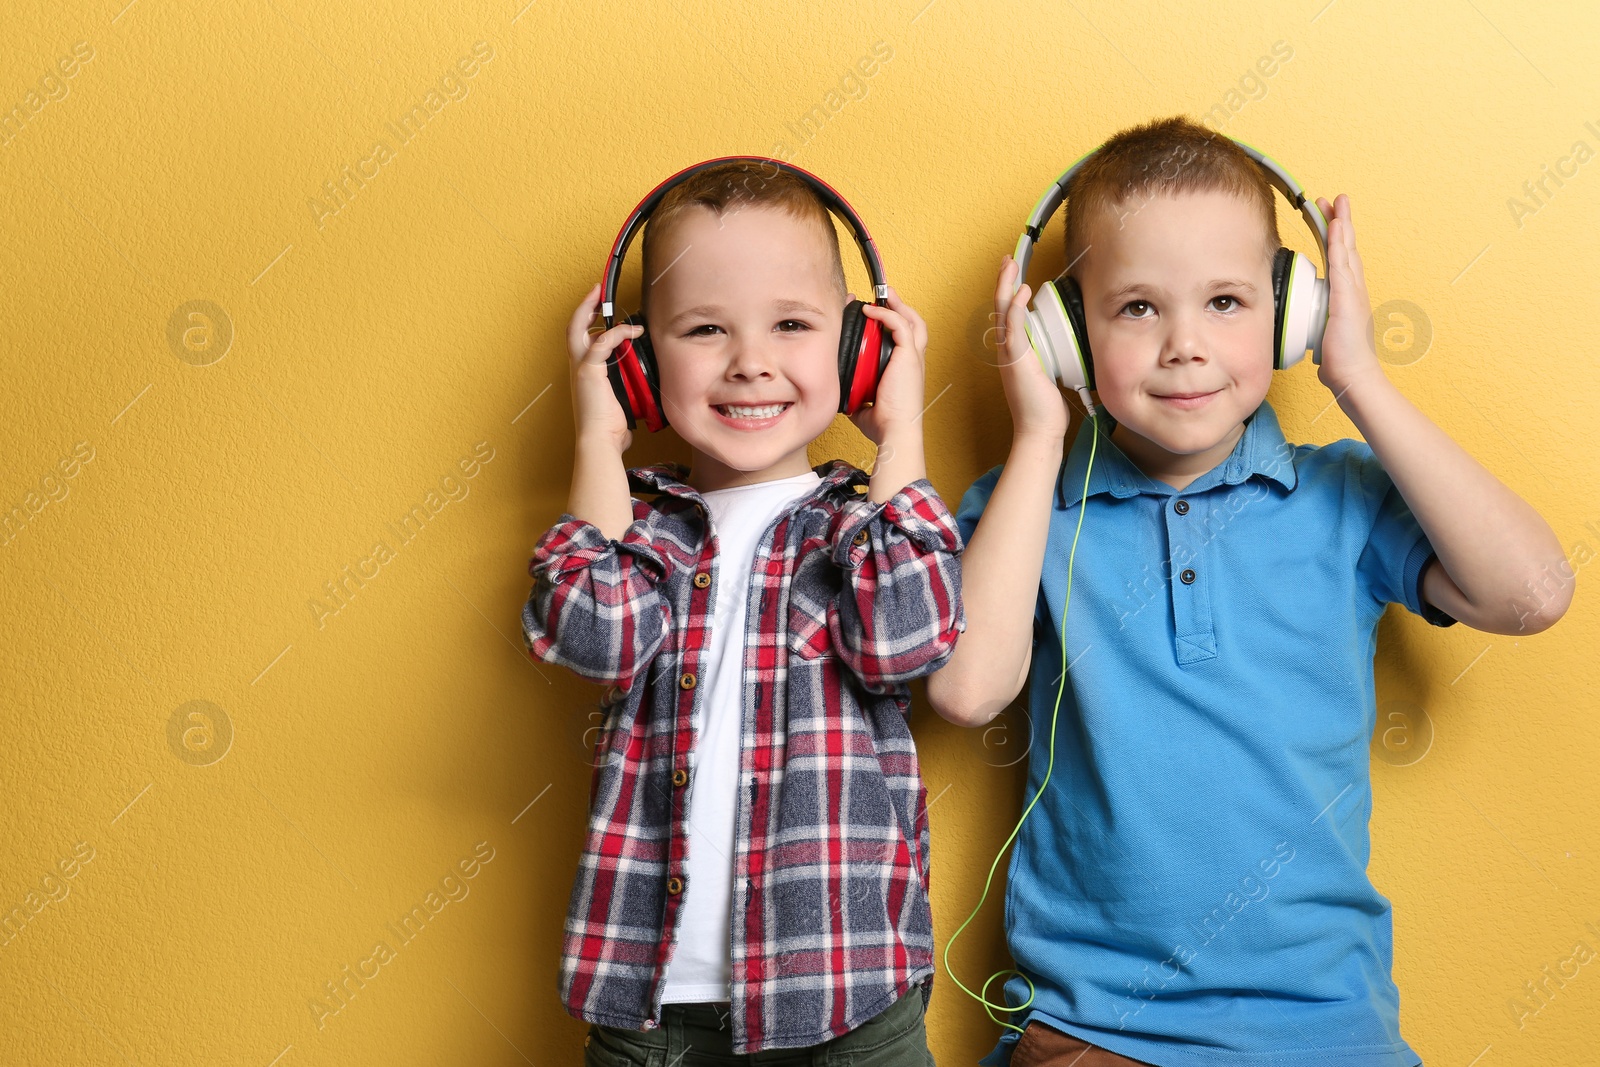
{"x":700,"y":1035}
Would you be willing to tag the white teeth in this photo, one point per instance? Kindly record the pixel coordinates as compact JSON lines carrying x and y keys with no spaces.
{"x":738,"y":411}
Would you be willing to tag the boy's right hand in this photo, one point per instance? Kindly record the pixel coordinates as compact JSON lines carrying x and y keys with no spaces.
{"x":1037,"y":406}
{"x":596,"y":414}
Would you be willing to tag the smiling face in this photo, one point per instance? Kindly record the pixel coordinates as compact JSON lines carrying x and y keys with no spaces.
{"x":1178,"y":303}
{"x":745,"y":326}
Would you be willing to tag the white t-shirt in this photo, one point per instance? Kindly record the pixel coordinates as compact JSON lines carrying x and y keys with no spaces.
{"x":700,"y":966}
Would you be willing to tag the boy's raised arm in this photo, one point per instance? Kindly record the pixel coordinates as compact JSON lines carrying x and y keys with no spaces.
{"x":599,"y":492}
{"x":898,"y":615}
{"x":1002,"y":563}
{"x":1493,"y":547}
{"x":594,"y":607}
{"x":893,"y":421}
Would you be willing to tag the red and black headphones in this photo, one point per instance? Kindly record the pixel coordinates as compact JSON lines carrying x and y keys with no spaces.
{"x":864,"y":346}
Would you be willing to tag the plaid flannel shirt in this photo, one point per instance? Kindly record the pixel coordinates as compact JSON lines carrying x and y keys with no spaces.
{"x":848,"y":601}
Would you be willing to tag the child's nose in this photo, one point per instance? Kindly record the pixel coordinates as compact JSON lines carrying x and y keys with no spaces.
{"x":750,"y":358}
{"x":1185,"y":341}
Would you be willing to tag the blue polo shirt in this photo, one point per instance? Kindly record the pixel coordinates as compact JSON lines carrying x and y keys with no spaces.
{"x":1192,"y":888}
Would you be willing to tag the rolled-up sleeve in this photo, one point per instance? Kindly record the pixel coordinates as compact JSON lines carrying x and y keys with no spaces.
{"x":596,"y":606}
{"x":899,"y":612}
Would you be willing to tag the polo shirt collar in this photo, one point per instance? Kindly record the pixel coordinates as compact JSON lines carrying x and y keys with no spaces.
{"x":1261,"y":449}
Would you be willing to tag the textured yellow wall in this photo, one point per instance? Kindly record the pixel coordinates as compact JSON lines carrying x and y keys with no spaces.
{"x":225,"y":385}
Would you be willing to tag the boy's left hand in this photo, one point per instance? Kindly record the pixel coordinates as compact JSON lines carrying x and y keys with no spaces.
{"x":1349,"y":350}
{"x":898,"y":404}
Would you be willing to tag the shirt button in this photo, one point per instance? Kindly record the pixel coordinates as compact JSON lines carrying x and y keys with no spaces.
{"x":862,"y":536}
{"x":679,"y":777}
{"x":674,"y":885}
{"x":1181,"y":507}
{"x":1187,"y":577}
{"x":702,"y":580}
{"x":687,"y":681}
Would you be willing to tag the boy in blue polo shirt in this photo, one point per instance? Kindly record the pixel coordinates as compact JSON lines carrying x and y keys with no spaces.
{"x":1192,"y":888}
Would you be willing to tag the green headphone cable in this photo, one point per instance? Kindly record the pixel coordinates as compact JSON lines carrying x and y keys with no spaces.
{"x":982,"y":997}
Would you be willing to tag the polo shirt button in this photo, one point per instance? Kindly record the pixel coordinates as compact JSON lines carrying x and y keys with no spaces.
{"x":1187,"y":577}
{"x":674,"y":885}
{"x":687,"y":681}
{"x":1181,"y":507}
{"x":702,"y":580}
{"x":679,"y":777}
{"x":862,"y":536}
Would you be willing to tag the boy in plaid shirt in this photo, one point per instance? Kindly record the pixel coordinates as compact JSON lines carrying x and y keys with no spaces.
{"x":755,"y":875}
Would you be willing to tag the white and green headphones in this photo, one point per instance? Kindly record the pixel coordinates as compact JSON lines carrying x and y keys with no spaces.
{"x":1056,"y":321}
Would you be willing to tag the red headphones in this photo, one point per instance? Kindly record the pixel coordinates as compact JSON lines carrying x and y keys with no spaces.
{"x":864,"y":346}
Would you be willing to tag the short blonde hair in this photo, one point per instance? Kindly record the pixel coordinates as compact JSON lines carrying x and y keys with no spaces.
{"x":741,"y":183}
{"x":1164,"y":156}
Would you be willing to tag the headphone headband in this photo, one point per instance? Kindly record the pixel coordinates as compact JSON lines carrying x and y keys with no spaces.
{"x":1276,"y":176}
{"x":826,"y":193}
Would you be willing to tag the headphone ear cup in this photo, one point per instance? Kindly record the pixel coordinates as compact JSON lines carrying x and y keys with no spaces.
{"x":632,"y":371}
{"x":864,"y":350}
{"x":1300,"y":315}
{"x":1072,"y":298}
{"x":1282,"y":262}
{"x":1056,"y":338}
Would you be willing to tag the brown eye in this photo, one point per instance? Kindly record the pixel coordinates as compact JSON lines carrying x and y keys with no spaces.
{"x":1231,"y":302}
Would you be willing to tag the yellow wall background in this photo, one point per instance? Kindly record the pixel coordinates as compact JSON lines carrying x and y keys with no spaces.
{"x":229,"y":457}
